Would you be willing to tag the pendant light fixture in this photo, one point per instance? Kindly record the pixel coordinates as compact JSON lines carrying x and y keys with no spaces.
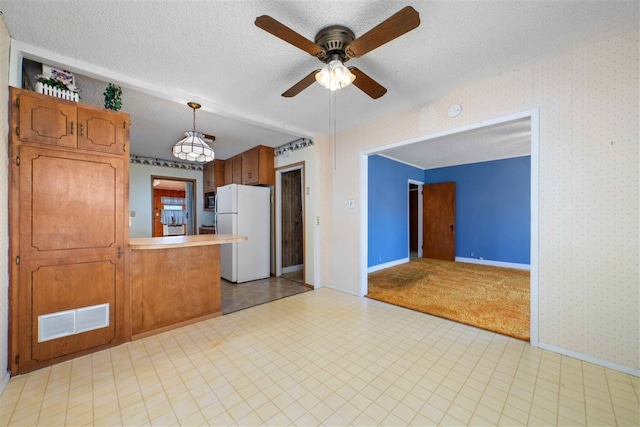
{"x":192,"y":147}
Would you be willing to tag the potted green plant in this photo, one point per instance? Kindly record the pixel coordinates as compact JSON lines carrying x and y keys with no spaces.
{"x":113,"y":97}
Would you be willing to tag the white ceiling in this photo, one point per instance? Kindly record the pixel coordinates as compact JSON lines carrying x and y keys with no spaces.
{"x":165,"y":53}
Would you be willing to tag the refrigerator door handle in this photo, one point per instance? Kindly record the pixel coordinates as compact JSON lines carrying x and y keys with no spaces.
{"x":215,"y":213}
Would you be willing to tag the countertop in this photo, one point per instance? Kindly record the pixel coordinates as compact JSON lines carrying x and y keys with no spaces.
{"x":140,"y":243}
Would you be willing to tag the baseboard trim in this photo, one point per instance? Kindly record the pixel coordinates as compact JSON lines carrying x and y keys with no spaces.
{"x":494,"y":263}
{"x":387,"y":265}
{"x":4,"y":382}
{"x":590,"y":359}
{"x":292,"y":268}
{"x":337,"y":288}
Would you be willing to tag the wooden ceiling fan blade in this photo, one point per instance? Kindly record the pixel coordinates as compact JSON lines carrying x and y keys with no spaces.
{"x":396,"y":25}
{"x":285,"y":33}
{"x":366,"y":84}
{"x":301,"y":85}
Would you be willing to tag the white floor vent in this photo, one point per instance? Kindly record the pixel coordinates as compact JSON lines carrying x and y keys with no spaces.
{"x":71,"y":322}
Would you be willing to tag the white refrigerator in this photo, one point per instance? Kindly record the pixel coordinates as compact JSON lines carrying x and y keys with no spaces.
{"x":244,"y":210}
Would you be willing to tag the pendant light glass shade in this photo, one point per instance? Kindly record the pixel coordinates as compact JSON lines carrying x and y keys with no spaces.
{"x":193,"y":148}
{"x":335,"y":75}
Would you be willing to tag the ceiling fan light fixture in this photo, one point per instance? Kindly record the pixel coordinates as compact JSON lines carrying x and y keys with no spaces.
{"x":192,"y":147}
{"x":335,"y":75}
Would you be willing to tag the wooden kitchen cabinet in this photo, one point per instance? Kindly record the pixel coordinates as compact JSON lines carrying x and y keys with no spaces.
{"x":233,"y":170}
{"x":69,"y":238}
{"x":257,"y":166}
{"x":236,"y":167}
{"x":69,"y":124}
{"x":213,"y":175}
{"x":228,"y":171}
{"x":252,"y":167}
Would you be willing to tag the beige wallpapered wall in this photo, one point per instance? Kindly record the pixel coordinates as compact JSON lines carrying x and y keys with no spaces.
{"x":310,"y":191}
{"x":5,"y":42}
{"x":588,"y":198}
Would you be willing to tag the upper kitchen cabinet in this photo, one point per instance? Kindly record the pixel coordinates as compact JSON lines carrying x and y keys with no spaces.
{"x":213,"y":175}
{"x":252,"y":167}
{"x":46,"y":120}
{"x":233,"y":170}
{"x":257,"y":166}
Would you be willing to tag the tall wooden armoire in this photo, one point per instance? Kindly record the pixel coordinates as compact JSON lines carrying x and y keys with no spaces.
{"x":69,"y":236}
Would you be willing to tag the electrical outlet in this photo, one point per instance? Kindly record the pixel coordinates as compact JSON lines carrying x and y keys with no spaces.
{"x":317,"y":220}
{"x":351,"y":203}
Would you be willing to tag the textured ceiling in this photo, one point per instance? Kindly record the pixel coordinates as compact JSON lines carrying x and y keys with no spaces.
{"x":165,"y":53}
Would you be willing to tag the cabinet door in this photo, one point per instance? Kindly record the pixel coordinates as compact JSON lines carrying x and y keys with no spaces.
{"x":251,"y":167}
{"x":71,"y":231}
{"x":237,"y":169}
{"x":104,"y":131}
{"x":228,"y":171}
{"x":219,"y":171}
{"x":44,"y":119}
{"x":208,"y":177}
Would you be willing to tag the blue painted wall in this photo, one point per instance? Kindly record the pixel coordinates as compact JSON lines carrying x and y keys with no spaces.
{"x":493,"y":208}
{"x":388,"y":209}
{"x":493,"y":211}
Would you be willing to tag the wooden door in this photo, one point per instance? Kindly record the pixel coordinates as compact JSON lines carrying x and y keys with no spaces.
{"x":439,"y":221}
{"x":413,"y":217}
{"x":72,"y":250}
{"x":104,"y":131}
{"x":45,"y":120}
{"x":292,"y":221}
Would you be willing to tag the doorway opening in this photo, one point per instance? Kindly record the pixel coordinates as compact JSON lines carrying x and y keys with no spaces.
{"x":415,"y":219}
{"x":533,"y":139}
{"x":290,"y":225}
{"x":173,"y":206}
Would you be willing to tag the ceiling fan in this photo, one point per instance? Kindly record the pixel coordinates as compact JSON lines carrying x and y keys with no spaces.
{"x":336,"y":44}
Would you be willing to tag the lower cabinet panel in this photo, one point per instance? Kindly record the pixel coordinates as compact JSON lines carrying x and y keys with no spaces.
{"x":173,"y":287}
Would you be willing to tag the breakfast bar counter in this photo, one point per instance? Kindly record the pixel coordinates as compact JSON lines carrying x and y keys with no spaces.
{"x":175,"y":281}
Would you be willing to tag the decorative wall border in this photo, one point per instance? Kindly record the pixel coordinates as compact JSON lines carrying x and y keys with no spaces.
{"x":140,"y":160}
{"x":298,"y":144}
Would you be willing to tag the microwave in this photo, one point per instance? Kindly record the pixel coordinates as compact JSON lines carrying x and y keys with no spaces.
{"x":210,"y":202}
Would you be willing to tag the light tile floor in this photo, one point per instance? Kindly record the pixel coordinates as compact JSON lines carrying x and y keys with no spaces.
{"x":323,"y":358}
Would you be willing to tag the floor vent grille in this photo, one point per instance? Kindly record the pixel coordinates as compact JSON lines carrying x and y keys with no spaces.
{"x":71,"y":322}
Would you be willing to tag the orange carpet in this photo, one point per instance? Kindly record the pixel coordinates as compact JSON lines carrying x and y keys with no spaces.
{"x":491,"y":298}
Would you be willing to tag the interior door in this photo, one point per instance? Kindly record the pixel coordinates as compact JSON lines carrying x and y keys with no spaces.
{"x":439,"y":218}
{"x":71,"y":234}
{"x":413,"y":218}
{"x":292,"y":220}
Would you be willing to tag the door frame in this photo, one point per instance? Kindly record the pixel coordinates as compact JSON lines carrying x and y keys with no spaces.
{"x":277,"y":250}
{"x":420,"y":218}
{"x":194,"y":197}
{"x":534,"y":116}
